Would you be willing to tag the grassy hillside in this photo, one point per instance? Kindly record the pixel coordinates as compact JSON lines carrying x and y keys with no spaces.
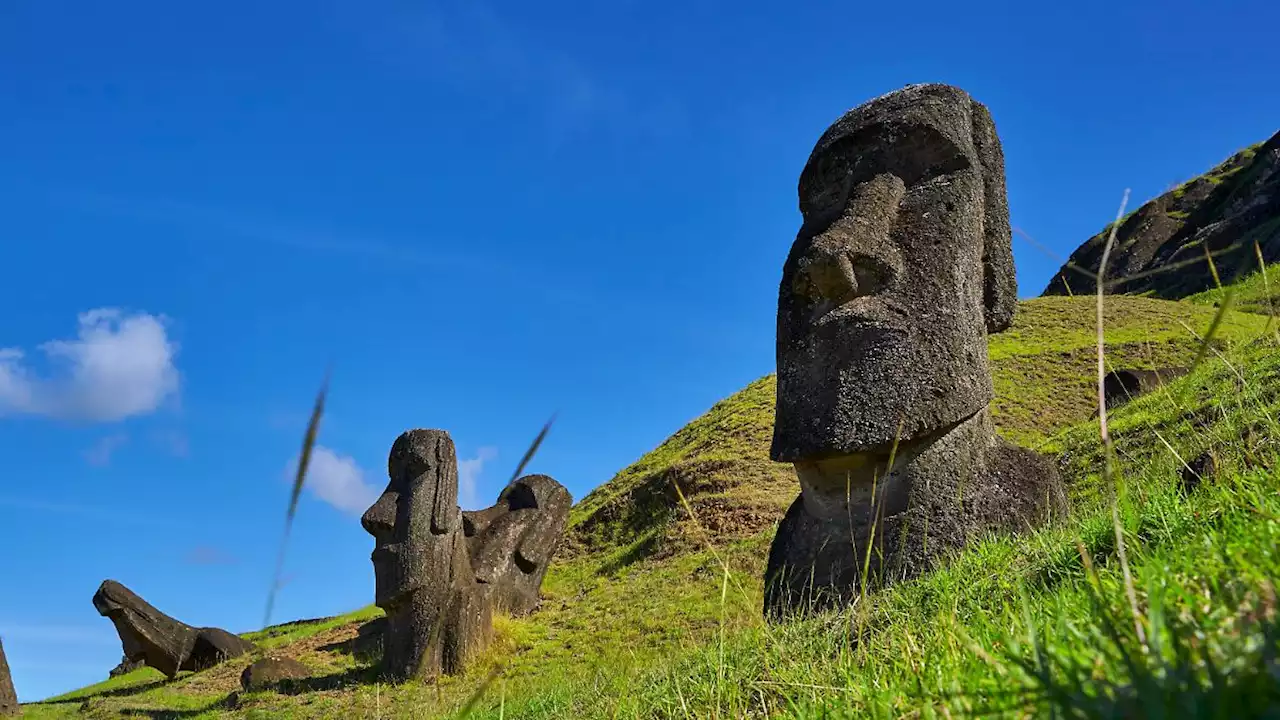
{"x":654,"y":613}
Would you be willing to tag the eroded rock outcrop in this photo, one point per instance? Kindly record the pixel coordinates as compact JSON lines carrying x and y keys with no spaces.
{"x":155,"y":639}
{"x":902,"y":266}
{"x":1160,"y":248}
{"x":438,"y":596}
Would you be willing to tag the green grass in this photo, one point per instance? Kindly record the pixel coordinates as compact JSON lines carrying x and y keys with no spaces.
{"x":1258,"y":293}
{"x":652,"y":613}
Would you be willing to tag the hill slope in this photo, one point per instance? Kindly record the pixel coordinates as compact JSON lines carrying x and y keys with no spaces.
{"x":652,"y":612}
{"x":1226,"y":211}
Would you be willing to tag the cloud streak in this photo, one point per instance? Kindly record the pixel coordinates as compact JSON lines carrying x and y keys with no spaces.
{"x":469,"y":475}
{"x":120,"y":365}
{"x":337,"y":480}
{"x":99,"y":455}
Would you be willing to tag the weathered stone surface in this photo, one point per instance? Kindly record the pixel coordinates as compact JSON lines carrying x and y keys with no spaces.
{"x":511,"y":544}
{"x":1160,"y":248}
{"x":126,"y":666}
{"x":1121,"y":386}
{"x":153,"y":638}
{"x":8,"y":696}
{"x":902,"y":266}
{"x":437,"y":615}
{"x":272,"y":670}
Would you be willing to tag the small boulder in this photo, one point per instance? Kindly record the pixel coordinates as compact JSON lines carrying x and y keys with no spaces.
{"x":8,"y":696}
{"x":272,"y":670}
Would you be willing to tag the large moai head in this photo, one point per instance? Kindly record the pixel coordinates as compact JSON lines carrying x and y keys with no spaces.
{"x":901,"y":267}
{"x":414,"y":520}
{"x":512,"y":543}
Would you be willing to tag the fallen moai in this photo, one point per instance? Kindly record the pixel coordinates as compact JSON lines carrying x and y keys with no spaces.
{"x":440,"y":573}
{"x":901,"y":268}
{"x":155,"y":639}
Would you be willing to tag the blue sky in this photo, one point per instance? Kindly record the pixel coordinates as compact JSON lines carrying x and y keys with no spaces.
{"x":479,"y":213}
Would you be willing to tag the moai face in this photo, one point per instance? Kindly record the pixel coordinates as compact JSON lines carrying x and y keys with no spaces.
{"x":413,"y":521}
{"x":901,"y":268}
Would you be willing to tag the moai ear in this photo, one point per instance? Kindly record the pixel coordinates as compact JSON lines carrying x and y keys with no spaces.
{"x":1000,"y":284}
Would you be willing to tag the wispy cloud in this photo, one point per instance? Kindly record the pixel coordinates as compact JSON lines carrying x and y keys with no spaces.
{"x":119,"y":365}
{"x":100,"y":513}
{"x":174,"y":442}
{"x":209,"y":555}
{"x":337,"y":480}
{"x":59,"y":634}
{"x":99,"y":455}
{"x":469,"y":475}
{"x":471,"y":45}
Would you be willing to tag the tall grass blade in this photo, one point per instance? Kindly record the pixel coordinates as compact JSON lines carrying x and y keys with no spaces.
{"x":304,"y":459}
{"x":533,"y":449}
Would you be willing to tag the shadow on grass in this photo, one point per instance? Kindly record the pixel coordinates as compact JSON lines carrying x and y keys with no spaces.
{"x":127,"y":691}
{"x":365,"y":647}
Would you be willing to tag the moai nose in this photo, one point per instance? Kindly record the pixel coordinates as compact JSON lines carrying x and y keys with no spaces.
{"x":380,"y":519}
{"x":839,"y":274}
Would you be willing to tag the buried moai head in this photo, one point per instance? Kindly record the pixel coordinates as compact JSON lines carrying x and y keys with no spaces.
{"x":901,"y":268}
{"x":435,"y":618}
{"x":512,"y":543}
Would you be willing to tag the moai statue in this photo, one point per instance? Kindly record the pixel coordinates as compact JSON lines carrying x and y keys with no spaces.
{"x":437,"y":616}
{"x":512,"y":543}
{"x":150,"y":637}
{"x":8,"y":697}
{"x":901,"y":268}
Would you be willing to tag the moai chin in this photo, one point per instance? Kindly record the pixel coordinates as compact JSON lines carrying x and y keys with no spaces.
{"x":436,"y":616}
{"x":901,"y":268}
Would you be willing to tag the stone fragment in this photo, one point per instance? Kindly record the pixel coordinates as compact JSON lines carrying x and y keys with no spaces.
{"x":150,"y":637}
{"x":8,"y":696}
{"x":272,"y":670}
{"x":902,"y":266}
{"x":511,"y":543}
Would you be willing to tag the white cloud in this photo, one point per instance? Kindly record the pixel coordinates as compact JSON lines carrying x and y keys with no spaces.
{"x":100,"y":454}
{"x":337,"y":480}
{"x":120,"y":365}
{"x":469,"y":475}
